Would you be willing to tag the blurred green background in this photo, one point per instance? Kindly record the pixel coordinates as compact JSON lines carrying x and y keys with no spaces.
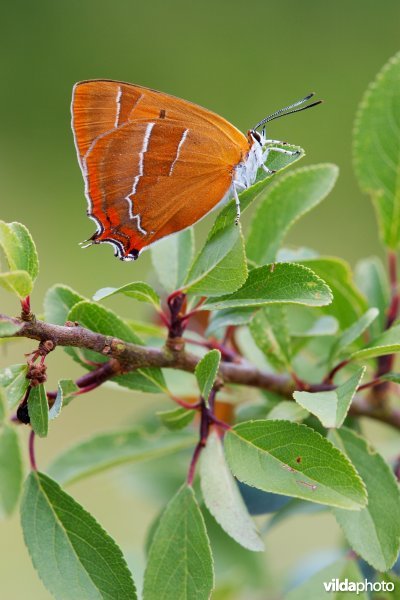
{"x":240,"y":59}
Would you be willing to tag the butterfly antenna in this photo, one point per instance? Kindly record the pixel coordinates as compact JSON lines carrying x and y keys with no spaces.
{"x":282,"y":112}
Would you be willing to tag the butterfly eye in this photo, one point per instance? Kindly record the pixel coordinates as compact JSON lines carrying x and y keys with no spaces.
{"x":257,"y":137}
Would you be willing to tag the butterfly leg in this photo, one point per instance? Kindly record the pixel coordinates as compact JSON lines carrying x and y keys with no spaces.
{"x":268,"y":171}
{"x":237,"y":185}
{"x":269,"y":142}
{"x":281,"y":151}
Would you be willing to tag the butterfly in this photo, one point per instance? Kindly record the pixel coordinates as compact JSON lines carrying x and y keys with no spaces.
{"x":154,"y":164}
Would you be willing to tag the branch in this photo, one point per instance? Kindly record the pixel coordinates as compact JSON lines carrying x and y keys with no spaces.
{"x":129,"y":357}
{"x":133,"y":356}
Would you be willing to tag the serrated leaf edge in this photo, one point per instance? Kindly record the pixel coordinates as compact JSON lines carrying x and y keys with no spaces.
{"x":37,"y":475}
{"x":318,"y":279}
{"x":373,"y":452}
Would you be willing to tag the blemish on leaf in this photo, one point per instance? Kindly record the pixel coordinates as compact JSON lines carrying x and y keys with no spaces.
{"x":312,"y":486}
{"x":288,"y":468}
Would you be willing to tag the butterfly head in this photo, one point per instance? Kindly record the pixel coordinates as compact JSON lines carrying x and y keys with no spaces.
{"x":257,"y":137}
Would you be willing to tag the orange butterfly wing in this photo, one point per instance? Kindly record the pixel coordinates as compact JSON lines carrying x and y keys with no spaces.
{"x":153,"y":164}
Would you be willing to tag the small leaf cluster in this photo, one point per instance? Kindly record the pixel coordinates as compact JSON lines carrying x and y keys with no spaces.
{"x":312,"y":345}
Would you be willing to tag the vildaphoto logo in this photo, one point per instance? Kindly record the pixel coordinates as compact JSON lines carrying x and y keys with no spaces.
{"x":336,"y":585}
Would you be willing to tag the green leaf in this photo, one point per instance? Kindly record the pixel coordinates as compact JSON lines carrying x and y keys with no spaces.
{"x":372,"y":280}
{"x":171,"y":258}
{"x":306,"y":327}
{"x":221,"y":265}
{"x":102,"y":320}
{"x":230,"y":316}
{"x":147,"y":330}
{"x":58,"y":302}
{"x":72,"y":553}
{"x":220,"y":241}
{"x":223,"y":499}
{"x":138,"y":289}
{"x":377,"y":149}
{"x":176,"y":419}
{"x":269,"y":330}
{"x":38,"y":409}
{"x":295,"y":254}
{"x":68,"y":389}
{"x":239,"y":570}
{"x":13,"y":380}
{"x":10,"y":470}
{"x":317,"y":586}
{"x":109,"y":450}
{"x":19,"y":249}
{"x":331,"y":407}
{"x":56,"y":407}
{"x":287,"y":199}
{"x":294,"y":460}
{"x":393,"y":377}
{"x":17,"y":282}
{"x":180,"y":562}
{"x":8,"y":328}
{"x":348,"y":304}
{"x":374,"y":531}
{"x":352,"y":333}
{"x":65,"y":391}
{"x":270,"y":284}
{"x":253,"y":410}
{"x":387,"y":343}
{"x":287,"y":410}
{"x":388,"y":594}
{"x":206,"y":372}
{"x":324,"y":326}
